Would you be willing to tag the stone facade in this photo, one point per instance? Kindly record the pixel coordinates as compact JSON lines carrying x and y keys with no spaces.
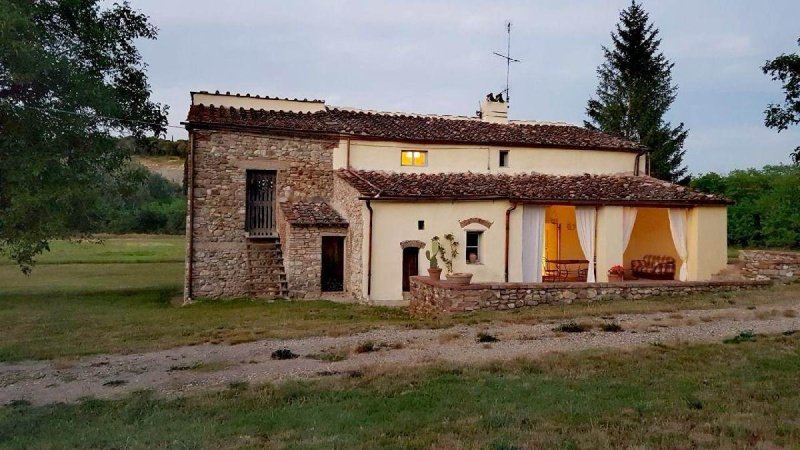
{"x":770,"y":264}
{"x":219,"y":241}
{"x":303,"y":259}
{"x":344,"y":199}
{"x":431,"y":298}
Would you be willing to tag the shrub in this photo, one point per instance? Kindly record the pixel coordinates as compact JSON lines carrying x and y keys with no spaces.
{"x":611,"y":327}
{"x":572,"y":327}
{"x":367,"y":347}
{"x":486,"y":337}
{"x":283,"y":353}
{"x":744,"y":336}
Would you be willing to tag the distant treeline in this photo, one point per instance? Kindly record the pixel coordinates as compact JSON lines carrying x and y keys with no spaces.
{"x":767,"y":209}
{"x":139,"y":201}
{"x":151,"y":146}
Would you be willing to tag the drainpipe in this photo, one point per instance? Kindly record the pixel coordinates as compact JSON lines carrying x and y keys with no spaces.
{"x":508,"y":229}
{"x":190,"y":220}
{"x":348,"y":154}
{"x":369,"y":253}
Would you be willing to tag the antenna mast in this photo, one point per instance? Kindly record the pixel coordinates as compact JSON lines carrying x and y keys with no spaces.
{"x":508,"y":59}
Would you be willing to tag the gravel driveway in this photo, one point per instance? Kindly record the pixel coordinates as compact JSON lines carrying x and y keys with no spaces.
{"x":186,"y":369}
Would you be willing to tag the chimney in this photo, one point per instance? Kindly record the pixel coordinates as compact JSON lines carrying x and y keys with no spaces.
{"x":494,"y":109}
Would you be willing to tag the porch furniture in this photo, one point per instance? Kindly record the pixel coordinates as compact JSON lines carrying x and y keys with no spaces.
{"x":567,"y":269}
{"x":552,"y":272}
{"x":654,"y":267}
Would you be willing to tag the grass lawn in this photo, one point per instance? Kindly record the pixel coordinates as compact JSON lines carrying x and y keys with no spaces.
{"x":709,"y":396}
{"x":119,"y":297}
{"x":106,"y":249}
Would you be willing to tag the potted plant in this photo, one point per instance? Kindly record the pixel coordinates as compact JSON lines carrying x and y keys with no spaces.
{"x":473,"y":258}
{"x":434,"y":272}
{"x":615,"y":273}
{"x":457,"y":278}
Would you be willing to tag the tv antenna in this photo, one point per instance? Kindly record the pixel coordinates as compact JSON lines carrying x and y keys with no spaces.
{"x":508,"y":59}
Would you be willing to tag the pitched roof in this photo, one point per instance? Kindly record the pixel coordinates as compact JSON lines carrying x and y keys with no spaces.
{"x":312,"y":213}
{"x":528,"y":187}
{"x":411,"y":128}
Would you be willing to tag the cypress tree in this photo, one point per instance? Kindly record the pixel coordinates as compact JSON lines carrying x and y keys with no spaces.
{"x":634,"y":93}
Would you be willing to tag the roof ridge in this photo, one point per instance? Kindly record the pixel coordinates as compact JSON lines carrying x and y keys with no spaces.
{"x":257,"y":96}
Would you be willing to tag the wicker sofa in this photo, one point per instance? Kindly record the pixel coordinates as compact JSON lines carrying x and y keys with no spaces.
{"x":655,"y":267}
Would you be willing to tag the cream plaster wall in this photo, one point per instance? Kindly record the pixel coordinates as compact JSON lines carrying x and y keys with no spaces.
{"x":199,"y":98}
{"x":609,"y":240}
{"x":395,"y":222}
{"x":378,"y":155}
{"x":707,"y":241}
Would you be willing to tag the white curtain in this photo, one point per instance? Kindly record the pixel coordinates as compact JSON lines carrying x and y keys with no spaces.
{"x":532,"y":243}
{"x":586,"y":220}
{"x":628,"y":220}
{"x":677,"y":226}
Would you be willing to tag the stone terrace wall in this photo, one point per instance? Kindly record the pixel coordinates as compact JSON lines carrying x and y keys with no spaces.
{"x":221,"y":159}
{"x":770,"y":264}
{"x":430,"y":298}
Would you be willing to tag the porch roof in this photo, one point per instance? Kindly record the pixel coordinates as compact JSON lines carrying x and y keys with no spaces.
{"x":312,"y":214}
{"x":526,"y":188}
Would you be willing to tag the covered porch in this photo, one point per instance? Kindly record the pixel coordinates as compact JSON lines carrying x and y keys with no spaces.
{"x":582,"y":242}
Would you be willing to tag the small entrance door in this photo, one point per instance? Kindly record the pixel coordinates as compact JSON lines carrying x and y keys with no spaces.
{"x":332,"y":264}
{"x":410,"y":266}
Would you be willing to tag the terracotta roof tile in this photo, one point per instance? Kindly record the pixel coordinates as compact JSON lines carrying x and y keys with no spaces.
{"x":528,"y":187}
{"x":313,"y":213}
{"x":411,"y":128}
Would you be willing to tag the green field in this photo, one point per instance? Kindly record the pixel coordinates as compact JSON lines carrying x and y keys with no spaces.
{"x":709,"y":396}
{"x":123,"y":295}
{"x":107,"y":249}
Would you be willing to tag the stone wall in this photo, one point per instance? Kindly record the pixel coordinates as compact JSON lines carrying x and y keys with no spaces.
{"x":304,"y":171}
{"x":345,"y":200}
{"x":770,"y":264}
{"x":430,"y":298}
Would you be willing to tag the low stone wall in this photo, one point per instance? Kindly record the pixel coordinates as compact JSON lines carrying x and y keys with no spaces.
{"x":430,"y":298}
{"x":770,"y":265}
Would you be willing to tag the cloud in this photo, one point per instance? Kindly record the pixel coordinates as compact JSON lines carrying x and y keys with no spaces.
{"x":436,"y":57}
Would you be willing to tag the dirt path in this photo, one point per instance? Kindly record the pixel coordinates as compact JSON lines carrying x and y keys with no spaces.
{"x":186,"y":369}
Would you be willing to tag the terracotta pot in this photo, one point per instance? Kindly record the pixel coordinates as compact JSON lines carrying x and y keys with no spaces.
{"x":435,"y":274}
{"x":614,"y":278}
{"x":459,"y":278}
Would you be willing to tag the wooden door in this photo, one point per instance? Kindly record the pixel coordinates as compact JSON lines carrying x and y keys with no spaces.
{"x":260,"y":220}
{"x":410,"y":266}
{"x":332,"y":264}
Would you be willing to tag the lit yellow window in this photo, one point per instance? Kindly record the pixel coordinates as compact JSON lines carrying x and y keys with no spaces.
{"x":413,"y":158}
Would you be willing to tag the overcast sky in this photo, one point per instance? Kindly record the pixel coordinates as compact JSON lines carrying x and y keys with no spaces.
{"x":436,"y":57}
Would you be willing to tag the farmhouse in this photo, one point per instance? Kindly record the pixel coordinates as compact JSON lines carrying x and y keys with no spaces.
{"x":297,"y":198}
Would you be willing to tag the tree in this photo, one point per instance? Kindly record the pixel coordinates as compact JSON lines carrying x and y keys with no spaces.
{"x":635,"y":91}
{"x":71,"y":79}
{"x":786,"y":69}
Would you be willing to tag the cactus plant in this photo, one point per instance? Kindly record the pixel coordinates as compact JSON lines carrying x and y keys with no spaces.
{"x":431,"y":254}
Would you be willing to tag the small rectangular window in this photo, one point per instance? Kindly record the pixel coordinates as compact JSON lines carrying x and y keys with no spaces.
{"x":503,"y":158}
{"x":417,"y":158}
{"x":420,"y":224}
{"x":473,"y":247}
